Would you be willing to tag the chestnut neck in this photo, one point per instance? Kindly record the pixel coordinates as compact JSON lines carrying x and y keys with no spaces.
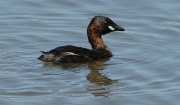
{"x":94,"y":36}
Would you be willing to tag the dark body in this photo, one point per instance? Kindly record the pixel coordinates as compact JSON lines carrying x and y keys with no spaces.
{"x":74,"y":54}
{"x":98,"y":26}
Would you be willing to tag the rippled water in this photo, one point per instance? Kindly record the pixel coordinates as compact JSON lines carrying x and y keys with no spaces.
{"x":143,"y":71}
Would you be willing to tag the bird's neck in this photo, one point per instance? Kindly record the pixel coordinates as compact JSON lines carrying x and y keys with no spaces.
{"x":94,"y":35}
{"x":97,"y":43}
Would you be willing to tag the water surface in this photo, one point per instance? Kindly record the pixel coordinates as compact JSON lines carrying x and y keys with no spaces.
{"x":143,"y":71}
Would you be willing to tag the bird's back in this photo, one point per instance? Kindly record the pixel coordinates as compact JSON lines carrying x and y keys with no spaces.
{"x":73,"y":54}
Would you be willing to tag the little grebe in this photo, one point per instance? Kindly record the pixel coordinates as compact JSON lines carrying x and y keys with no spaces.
{"x":98,"y":26}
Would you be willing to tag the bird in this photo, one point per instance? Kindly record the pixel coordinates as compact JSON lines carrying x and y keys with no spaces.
{"x":98,"y":26}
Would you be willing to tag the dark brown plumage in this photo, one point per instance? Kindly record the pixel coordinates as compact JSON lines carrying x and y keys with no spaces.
{"x":98,"y":26}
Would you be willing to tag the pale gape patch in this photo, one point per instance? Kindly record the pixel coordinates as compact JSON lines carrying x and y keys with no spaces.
{"x":111,"y":28}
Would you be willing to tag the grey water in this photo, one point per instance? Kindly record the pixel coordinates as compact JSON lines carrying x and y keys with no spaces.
{"x":145,"y":68}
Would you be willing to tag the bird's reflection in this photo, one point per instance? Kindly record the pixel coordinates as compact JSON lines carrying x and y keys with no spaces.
{"x":95,"y":76}
{"x":99,"y":79}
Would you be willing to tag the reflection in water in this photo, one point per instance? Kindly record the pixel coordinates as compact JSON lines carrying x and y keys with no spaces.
{"x":66,"y":66}
{"x":95,"y":76}
{"x":101,"y":81}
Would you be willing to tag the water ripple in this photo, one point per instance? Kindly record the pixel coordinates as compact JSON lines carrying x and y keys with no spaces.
{"x":143,"y":70}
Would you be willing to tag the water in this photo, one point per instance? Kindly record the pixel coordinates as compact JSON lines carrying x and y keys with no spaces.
{"x":143,"y":71}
